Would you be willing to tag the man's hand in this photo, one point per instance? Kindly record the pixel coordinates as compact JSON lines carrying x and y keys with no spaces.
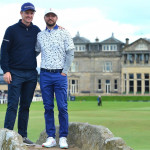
{"x":63,"y":74}
{"x":7,"y":77}
{"x":60,"y":27}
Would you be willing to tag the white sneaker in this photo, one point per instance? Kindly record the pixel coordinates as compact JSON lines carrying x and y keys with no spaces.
{"x":63,"y":142}
{"x":50,"y":142}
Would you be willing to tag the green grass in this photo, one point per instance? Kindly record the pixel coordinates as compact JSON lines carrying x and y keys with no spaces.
{"x":113,"y":98}
{"x":129,"y":120}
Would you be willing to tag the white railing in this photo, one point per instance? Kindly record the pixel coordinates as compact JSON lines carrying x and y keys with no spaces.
{"x":3,"y":100}
{"x":35,"y":99}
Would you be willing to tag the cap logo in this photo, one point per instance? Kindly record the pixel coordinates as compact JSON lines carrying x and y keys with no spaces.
{"x":28,"y":7}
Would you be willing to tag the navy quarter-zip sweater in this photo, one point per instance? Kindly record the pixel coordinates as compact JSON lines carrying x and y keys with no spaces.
{"x":18,"y":47}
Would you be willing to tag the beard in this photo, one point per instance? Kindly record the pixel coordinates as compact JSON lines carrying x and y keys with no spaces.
{"x":50,"y":25}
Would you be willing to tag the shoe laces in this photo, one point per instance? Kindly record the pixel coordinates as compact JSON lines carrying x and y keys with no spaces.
{"x":50,"y":139}
{"x":63,"y":139}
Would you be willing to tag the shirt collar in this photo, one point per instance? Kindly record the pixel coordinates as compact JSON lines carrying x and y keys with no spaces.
{"x":23,"y":25}
{"x":55,"y":28}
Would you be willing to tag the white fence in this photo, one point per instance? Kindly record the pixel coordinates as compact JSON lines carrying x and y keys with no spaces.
{"x":35,"y":99}
{"x":3,"y":100}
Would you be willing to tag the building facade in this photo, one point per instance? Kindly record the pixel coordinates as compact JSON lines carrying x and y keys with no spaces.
{"x":108,"y":67}
{"x":135,"y":68}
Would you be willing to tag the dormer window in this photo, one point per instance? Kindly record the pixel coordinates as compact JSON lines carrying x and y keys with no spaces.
{"x":111,"y":47}
{"x":80,"y":48}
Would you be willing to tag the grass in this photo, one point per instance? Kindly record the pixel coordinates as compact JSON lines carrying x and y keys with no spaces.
{"x":129,"y":120}
{"x":114,"y":98}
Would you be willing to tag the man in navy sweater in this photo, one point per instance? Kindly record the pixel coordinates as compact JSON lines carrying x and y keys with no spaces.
{"x":18,"y":62}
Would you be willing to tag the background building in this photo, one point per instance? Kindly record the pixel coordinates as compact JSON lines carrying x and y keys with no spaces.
{"x":110,"y":67}
{"x":97,"y":66}
{"x":135,"y":67}
{"x":107,"y":67}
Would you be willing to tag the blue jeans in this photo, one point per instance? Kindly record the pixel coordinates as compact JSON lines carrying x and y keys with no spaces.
{"x":51,"y":83}
{"x":21,"y":91}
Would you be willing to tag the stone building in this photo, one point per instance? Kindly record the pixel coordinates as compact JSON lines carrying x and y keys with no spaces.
{"x":135,"y":68}
{"x":110,"y":67}
{"x":97,"y":66}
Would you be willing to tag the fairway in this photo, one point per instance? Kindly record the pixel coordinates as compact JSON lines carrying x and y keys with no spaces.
{"x":129,"y":120}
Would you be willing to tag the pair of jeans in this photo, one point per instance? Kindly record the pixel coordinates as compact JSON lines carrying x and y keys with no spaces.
{"x":51,"y":83}
{"x":20,"y":91}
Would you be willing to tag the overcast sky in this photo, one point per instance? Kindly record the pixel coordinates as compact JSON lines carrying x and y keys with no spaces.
{"x":92,"y":18}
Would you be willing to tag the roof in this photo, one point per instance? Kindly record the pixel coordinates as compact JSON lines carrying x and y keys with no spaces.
{"x":112,"y":40}
{"x":143,"y":39}
{"x":78,"y":39}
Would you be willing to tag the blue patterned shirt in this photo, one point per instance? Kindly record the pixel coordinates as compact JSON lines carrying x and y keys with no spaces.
{"x":57,"y":49}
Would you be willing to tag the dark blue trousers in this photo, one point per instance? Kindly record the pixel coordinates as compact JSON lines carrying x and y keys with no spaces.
{"x":20,"y":91}
{"x":51,"y":83}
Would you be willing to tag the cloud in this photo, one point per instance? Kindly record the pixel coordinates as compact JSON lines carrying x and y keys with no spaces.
{"x":90,"y":22}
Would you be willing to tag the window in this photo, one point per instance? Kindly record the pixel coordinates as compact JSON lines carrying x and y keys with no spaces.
{"x":76,"y":48}
{"x":80,"y":48}
{"x":141,"y":47}
{"x":131,"y":76}
{"x":131,"y":58}
{"x":131,"y":83}
{"x":73,"y":86}
{"x":146,"y":78}
{"x":141,"y":57}
{"x":131,"y":86}
{"x":99,"y":85}
{"x":74,"y":67}
{"x":115,"y":85}
{"x":115,"y":47}
{"x":138,"y":76}
{"x":104,"y":47}
{"x":107,"y":86}
{"x":107,"y":67}
{"x":146,"y":58}
{"x":139,"y":83}
{"x":109,"y":47}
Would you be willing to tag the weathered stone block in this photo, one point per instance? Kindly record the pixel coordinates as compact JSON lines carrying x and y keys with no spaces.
{"x":10,"y":140}
{"x":90,"y":137}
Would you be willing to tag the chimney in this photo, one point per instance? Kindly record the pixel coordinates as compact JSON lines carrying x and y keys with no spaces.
{"x":96,"y":40}
{"x":127,"y":41}
{"x":78,"y":34}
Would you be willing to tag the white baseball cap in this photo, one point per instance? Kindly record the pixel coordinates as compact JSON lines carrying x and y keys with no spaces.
{"x":50,"y":10}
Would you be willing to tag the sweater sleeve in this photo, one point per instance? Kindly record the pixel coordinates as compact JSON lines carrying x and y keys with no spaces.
{"x":69,"y":59}
{"x":69,"y":47}
{"x":38,"y":46}
{"x":4,"y":51}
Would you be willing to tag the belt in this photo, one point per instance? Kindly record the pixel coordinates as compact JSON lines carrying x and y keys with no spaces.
{"x":51,"y":70}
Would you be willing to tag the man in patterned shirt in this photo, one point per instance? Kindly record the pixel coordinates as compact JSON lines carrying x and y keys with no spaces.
{"x":57,"y":53}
